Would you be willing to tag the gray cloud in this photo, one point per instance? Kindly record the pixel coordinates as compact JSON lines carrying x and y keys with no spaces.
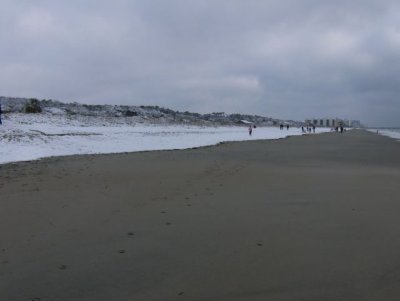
{"x":289,"y":59}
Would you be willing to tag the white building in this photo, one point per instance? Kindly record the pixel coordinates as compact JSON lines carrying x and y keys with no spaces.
{"x":356,"y":124}
{"x":332,"y":122}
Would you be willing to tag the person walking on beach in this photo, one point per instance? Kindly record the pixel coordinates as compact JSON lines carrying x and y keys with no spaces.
{"x":250,"y":130}
{"x":0,"y":114}
{"x":313,"y":128}
{"x":287,"y":127}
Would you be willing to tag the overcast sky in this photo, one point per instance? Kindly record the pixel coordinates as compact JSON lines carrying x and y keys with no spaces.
{"x":289,"y":59}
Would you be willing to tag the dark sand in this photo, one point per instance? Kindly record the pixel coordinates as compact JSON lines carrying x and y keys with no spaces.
{"x":304,"y":218}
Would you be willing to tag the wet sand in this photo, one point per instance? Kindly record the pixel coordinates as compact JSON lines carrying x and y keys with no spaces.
{"x":304,"y":218}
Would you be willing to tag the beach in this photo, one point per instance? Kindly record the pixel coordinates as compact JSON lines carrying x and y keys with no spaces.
{"x":313,"y":217}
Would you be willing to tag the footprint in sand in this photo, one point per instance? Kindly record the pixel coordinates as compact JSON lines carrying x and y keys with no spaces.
{"x":62,"y":267}
{"x":163,"y":212}
{"x":121,"y":251}
{"x":181,"y":293}
{"x":131,"y":233}
{"x":168,"y":223}
{"x":259,"y":244}
{"x":36,"y":299}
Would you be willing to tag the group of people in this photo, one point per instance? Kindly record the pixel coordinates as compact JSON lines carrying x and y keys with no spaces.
{"x":339,"y":129}
{"x":308,"y":129}
{"x":311,"y":129}
{"x":304,"y":129}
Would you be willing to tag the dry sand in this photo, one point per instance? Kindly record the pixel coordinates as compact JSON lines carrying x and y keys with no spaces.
{"x":304,"y":218}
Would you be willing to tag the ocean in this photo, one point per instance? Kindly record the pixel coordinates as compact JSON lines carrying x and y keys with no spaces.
{"x":389,"y":132}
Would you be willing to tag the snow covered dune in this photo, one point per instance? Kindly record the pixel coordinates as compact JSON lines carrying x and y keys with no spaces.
{"x":33,"y":136}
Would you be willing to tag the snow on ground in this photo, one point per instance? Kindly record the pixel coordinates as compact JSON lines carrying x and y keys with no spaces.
{"x":392,"y":133}
{"x":26,"y":137}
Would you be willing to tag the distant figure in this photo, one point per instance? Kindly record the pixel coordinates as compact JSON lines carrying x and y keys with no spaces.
{"x":302,"y":129}
{"x":313,"y":128}
{"x":287,"y":127}
{"x":337,"y":129}
{"x":250,"y":130}
{"x":341,"y":129}
{"x":254,"y":126}
{"x":0,"y":114}
{"x":281,"y":126}
{"x":376,"y":130}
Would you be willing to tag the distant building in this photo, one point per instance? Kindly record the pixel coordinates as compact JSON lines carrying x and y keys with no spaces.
{"x":219,"y":114}
{"x":243,"y":121}
{"x":355,"y":124}
{"x":332,"y":122}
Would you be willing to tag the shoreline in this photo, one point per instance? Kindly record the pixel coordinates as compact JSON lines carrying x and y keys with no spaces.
{"x":311,"y":217}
